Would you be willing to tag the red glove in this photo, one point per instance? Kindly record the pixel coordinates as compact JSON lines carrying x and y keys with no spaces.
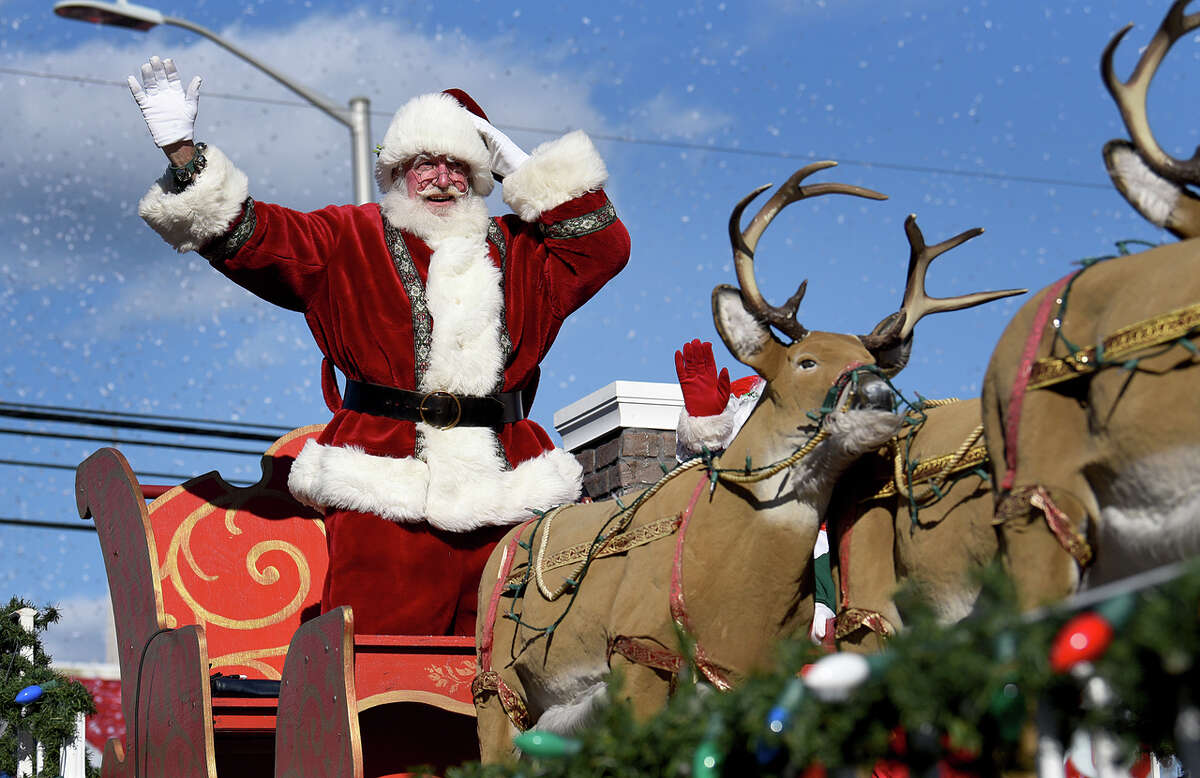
{"x":704,"y":392}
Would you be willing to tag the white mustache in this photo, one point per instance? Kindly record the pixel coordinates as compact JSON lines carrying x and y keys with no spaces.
{"x":434,"y":189}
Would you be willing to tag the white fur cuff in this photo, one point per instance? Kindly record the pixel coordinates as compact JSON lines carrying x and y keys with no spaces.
{"x":557,"y":171}
{"x":204,"y":211}
{"x":693,"y":434}
{"x":351,"y":479}
{"x":460,"y":493}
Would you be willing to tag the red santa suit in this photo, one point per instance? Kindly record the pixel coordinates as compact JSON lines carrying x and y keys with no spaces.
{"x":399,"y":299}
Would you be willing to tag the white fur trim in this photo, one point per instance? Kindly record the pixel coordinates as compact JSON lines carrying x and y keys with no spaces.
{"x":693,"y":434}
{"x":350,"y":479}
{"x":204,"y":211}
{"x":464,"y":298}
{"x":468,"y":487}
{"x":434,"y":124}
{"x":557,"y":171}
{"x":457,"y":485}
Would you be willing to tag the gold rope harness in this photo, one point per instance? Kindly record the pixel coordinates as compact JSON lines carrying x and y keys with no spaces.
{"x":936,"y":469}
{"x":615,"y":544}
{"x":1119,"y":346}
{"x":619,"y":540}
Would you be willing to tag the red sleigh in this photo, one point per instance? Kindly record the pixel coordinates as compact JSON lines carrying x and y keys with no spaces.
{"x":212,"y":578}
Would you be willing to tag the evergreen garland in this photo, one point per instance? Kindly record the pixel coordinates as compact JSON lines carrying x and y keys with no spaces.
{"x":50,"y":718}
{"x":963,"y":693}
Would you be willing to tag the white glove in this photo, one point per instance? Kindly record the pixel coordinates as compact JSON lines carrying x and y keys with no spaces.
{"x":506,"y":155}
{"x":169,"y":113}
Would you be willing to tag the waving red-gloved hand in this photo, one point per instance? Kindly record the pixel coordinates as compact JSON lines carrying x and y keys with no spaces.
{"x":705,"y":393}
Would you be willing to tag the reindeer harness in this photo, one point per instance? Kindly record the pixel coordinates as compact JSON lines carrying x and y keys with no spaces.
{"x":935,"y":472}
{"x":618,"y":540}
{"x":1121,"y":348}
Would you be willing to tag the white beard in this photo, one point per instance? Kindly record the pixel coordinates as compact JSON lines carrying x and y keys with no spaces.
{"x":468,"y":217}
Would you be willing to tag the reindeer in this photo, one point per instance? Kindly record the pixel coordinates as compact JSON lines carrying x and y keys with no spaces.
{"x":587,"y":590}
{"x":1089,"y":400}
{"x":917,"y":513}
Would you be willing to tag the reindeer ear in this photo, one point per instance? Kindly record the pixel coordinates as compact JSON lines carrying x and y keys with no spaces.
{"x":744,"y":335}
{"x":1162,"y":202}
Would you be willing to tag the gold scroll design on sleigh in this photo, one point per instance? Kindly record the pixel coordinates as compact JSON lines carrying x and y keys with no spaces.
{"x":241,"y":562}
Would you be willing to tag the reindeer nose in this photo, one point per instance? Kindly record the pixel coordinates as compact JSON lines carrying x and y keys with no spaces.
{"x":874,"y":393}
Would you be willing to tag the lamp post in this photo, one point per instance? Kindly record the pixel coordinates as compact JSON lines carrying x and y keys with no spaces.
{"x":139,"y":17}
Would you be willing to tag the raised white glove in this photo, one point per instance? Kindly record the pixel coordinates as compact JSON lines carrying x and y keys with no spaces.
{"x":506,"y":155}
{"x":169,"y":112}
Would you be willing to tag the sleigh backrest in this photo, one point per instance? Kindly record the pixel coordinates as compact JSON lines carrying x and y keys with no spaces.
{"x":245,"y":563}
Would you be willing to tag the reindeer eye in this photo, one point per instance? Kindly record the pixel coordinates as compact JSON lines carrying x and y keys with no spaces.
{"x":808,"y":364}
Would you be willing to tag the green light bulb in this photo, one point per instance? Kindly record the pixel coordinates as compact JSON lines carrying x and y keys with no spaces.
{"x":546,"y":744}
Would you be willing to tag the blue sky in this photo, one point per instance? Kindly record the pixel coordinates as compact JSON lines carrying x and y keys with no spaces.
{"x":968,"y":114}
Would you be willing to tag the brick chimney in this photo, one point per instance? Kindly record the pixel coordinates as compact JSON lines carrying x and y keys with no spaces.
{"x":623,"y":435}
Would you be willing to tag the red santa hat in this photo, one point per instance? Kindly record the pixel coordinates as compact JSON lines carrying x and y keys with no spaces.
{"x":436,"y":123}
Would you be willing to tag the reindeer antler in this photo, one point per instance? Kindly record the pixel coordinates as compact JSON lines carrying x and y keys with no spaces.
{"x":1130,"y":95}
{"x":744,"y":242}
{"x":917,"y":304}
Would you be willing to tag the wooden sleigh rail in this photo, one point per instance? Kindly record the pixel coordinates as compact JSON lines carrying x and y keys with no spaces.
{"x":211,"y":578}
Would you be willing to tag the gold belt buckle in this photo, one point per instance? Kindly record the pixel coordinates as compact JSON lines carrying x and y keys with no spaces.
{"x":421,"y":409}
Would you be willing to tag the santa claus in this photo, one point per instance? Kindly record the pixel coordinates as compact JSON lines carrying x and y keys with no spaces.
{"x":438,"y":317}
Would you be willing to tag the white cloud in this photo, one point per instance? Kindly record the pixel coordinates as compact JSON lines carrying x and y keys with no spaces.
{"x":80,"y":155}
{"x":667,"y":116}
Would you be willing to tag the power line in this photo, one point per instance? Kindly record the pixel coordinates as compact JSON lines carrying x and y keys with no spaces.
{"x":126,"y":424}
{"x":127,"y":442}
{"x":133,"y":415}
{"x":140,"y":473}
{"x":672,"y":144}
{"x":82,"y":526}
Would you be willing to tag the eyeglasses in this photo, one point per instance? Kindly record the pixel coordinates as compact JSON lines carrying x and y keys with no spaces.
{"x":428,"y":168}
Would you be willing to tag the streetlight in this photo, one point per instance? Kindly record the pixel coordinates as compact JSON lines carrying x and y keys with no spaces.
{"x":139,"y":17}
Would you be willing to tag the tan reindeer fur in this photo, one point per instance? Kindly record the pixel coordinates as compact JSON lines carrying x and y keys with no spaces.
{"x":884,"y":549}
{"x":1118,"y":451}
{"x":747,"y":575}
{"x":747,"y":560}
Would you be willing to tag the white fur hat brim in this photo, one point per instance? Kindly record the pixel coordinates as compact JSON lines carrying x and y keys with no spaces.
{"x":434,"y":124}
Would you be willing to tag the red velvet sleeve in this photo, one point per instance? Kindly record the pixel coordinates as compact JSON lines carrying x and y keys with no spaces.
{"x":585,"y":246}
{"x":282,"y":255}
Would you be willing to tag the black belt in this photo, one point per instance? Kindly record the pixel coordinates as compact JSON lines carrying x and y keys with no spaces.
{"x":437,"y":409}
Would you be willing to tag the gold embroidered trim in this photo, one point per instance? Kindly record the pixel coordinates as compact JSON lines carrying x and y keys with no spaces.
{"x":1121,"y":345}
{"x":490,"y":682}
{"x":928,"y":469}
{"x":414,"y":288}
{"x":851,"y":620}
{"x":496,"y":236}
{"x":579,"y":226}
{"x":1020,"y":504}
{"x":618,"y":544}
